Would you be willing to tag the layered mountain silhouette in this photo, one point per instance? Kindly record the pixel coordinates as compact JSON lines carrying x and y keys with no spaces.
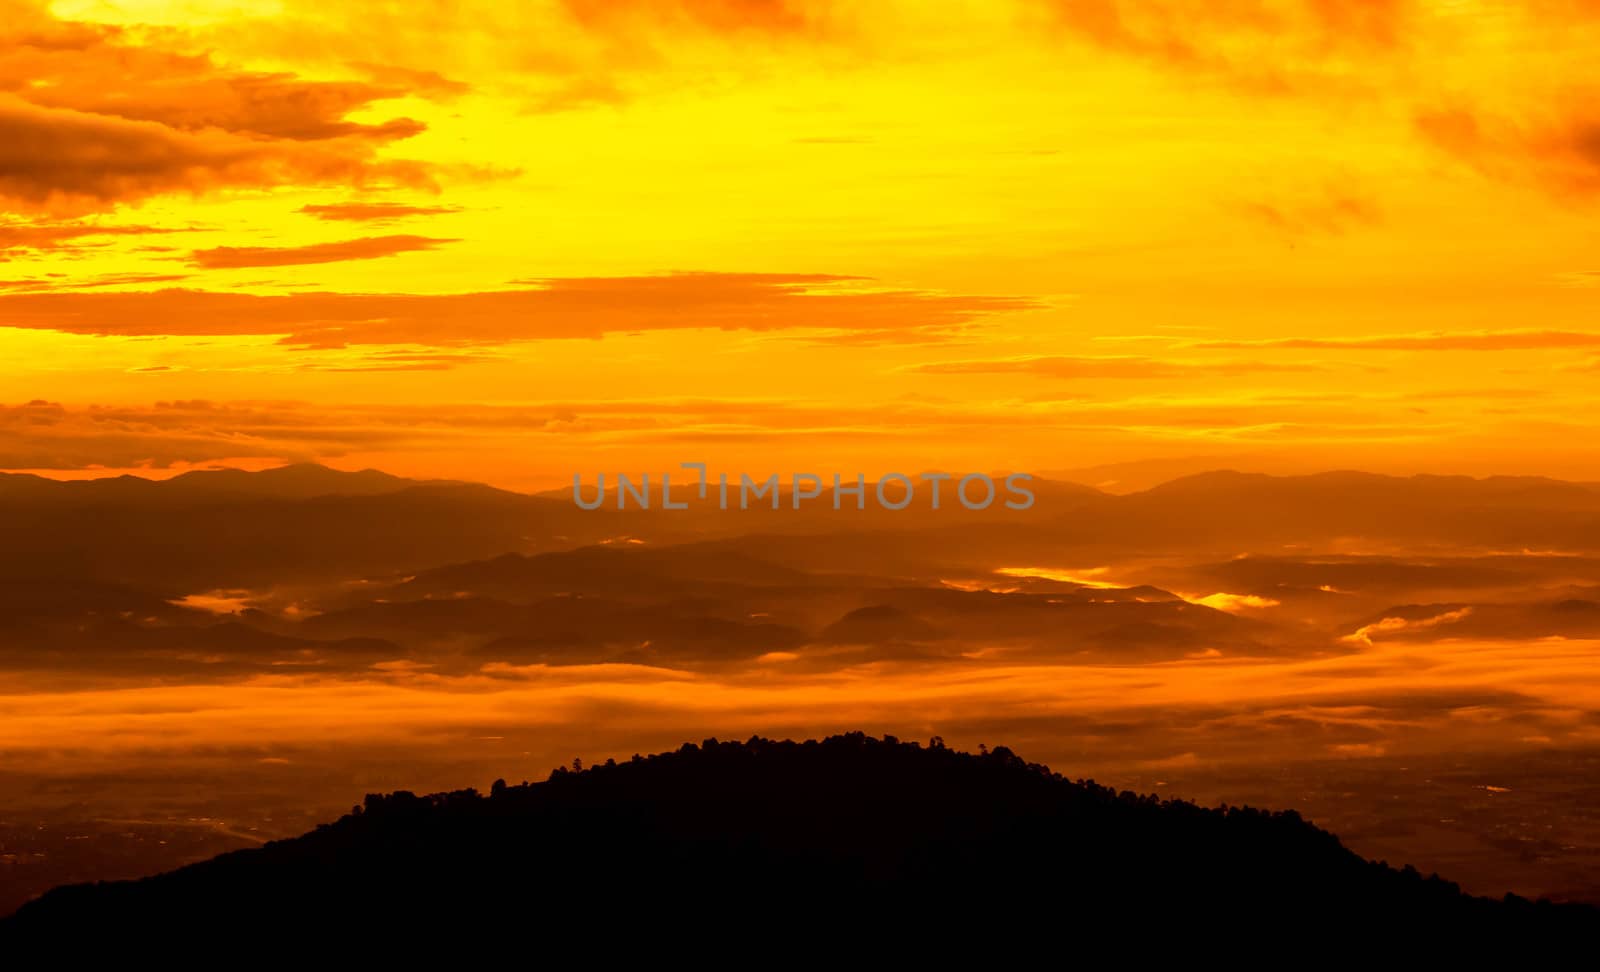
{"x":306,"y":568}
{"x":228,"y":528}
{"x":843,"y":843}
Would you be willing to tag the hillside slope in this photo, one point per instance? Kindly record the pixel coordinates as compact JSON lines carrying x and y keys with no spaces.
{"x":848,"y":837}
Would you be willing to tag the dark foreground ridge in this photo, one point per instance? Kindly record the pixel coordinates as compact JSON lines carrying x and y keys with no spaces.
{"x":851,"y":839}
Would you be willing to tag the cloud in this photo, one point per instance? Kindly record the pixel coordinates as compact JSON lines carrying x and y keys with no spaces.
{"x":366,"y":248}
{"x":277,"y":106}
{"x":422,"y":81}
{"x":144,"y":75}
{"x":573,"y":307}
{"x":62,"y":235}
{"x":1554,"y":146}
{"x":549,"y":55}
{"x":372,"y":212}
{"x":1234,"y":603}
{"x":1432,"y":341}
{"x":1271,"y":46}
{"x":50,"y":435}
{"x":1111,"y":366}
{"x":409,"y":361}
{"x":1331,"y":210}
{"x":94,"y":115}
{"x":945,"y":335}
{"x":1264,"y":712}
{"x":46,"y":435}
{"x":1363,"y":635}
{"x":574,"y":95}
{"x":63,"y":159}
{"x":731,"y":16}
{"x":1515,"y":124}
{"x":78,"y":282}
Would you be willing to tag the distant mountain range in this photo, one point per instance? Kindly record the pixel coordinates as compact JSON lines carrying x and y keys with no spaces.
{"x":845,"y":843}
{"x":220,"y":574}
{"x":297,"y":481}
{"x":307,"y":523}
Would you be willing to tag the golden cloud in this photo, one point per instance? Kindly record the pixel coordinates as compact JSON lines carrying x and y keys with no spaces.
{"x":366,"y":248}
{"x":577,"y":307}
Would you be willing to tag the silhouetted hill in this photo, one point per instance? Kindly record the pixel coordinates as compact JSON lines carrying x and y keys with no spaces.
{"x":845,"y":843}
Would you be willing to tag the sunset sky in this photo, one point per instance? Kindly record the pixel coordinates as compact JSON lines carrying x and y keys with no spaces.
{"x":510,"y":242}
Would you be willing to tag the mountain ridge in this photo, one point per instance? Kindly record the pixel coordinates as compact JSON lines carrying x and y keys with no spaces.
{"x":761,"y":833}
{"x":350,"y":482}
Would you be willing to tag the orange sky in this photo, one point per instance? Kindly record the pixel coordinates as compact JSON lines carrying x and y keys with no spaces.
{"x":514,"y":241}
